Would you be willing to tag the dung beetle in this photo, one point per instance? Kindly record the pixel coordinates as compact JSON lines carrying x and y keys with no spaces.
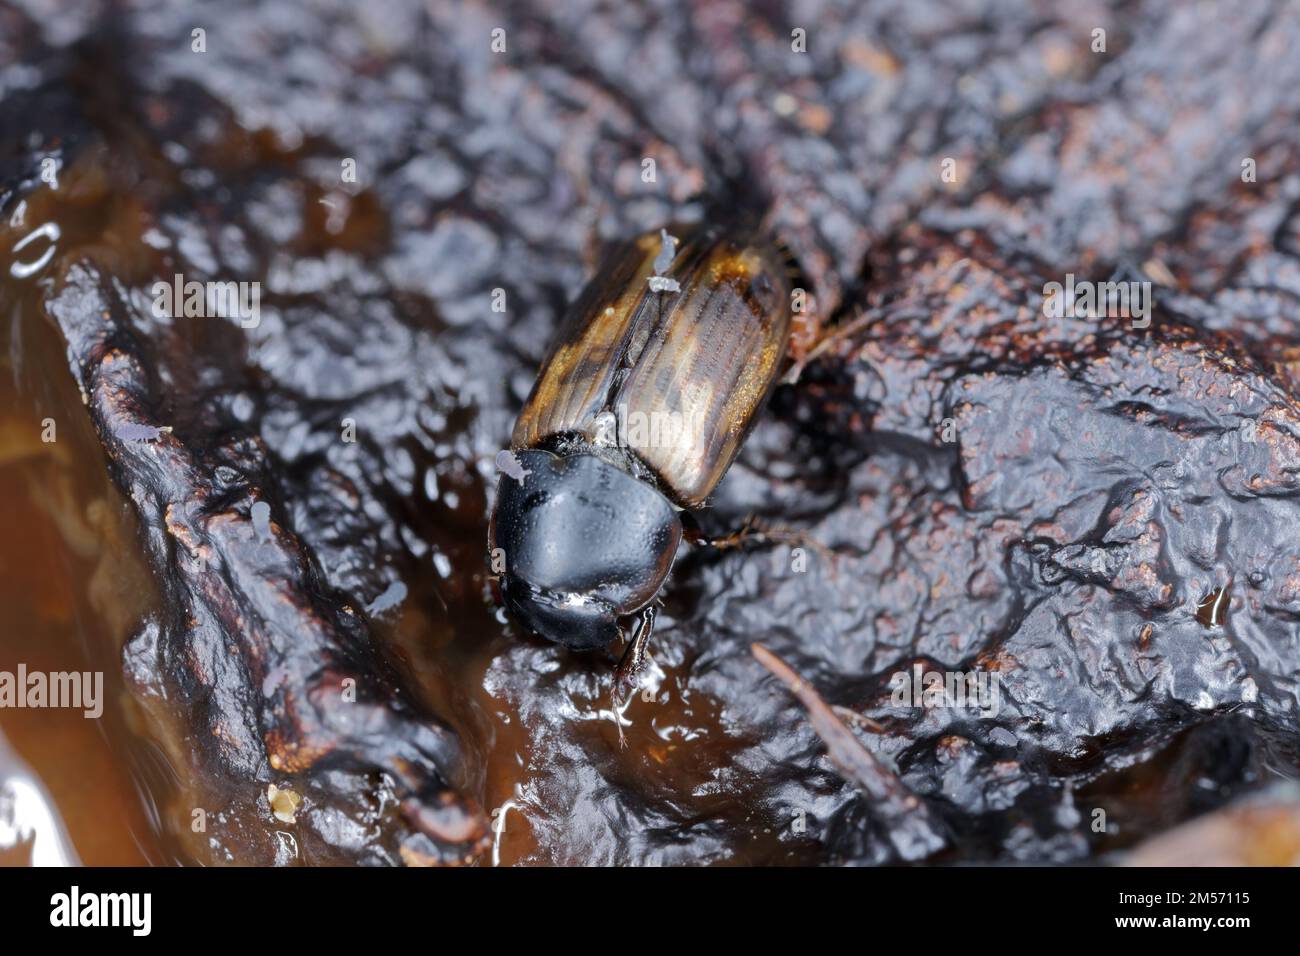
{"x":650,"y":388}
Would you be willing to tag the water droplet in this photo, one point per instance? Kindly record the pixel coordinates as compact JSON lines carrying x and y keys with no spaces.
{"x":1213,"y":608}
{"x":25,"y":270}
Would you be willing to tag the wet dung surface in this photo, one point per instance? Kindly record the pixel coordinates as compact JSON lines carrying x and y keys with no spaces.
{"x":1100,"y":512}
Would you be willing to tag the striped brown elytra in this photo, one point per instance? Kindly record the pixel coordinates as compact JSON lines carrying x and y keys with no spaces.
{"x":652,"y":384}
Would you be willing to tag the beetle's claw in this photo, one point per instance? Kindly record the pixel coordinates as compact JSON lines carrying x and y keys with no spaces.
{"x":620,"y":695}
{"x":627,"y":675}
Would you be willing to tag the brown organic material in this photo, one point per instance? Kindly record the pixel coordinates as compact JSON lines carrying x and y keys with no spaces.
{"x":999,"y":489}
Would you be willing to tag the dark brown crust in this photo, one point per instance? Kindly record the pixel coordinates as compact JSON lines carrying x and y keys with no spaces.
{"x":282,"y":677}
{"x":701,"y":360}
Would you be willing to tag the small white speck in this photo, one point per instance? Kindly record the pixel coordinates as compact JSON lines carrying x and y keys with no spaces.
{"x":1249,"y":690}
{"x":661,"y":284}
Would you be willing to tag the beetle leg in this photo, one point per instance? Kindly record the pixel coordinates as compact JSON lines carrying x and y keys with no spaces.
{"x":752,"y":531}
{"x":696,"y":535}
{"x":628,"y":673}
{"x":805,"y":333}
{"x":808,"y":339}
{"x":692,"y":531}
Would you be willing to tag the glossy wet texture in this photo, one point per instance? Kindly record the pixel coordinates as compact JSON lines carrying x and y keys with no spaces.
{"x":581,"y":544}
{"x":682,"y":374}
{"x":1049,"y":499}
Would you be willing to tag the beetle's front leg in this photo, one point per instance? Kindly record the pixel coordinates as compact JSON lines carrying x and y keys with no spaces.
{"x":627,"y":676}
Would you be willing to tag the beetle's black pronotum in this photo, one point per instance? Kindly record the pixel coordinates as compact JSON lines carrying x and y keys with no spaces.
{"x":652,"y":384}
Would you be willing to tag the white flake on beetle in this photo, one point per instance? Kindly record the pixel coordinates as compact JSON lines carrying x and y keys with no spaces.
{"x":662,"y":284}
{"x":510,"y":466}
{"x":663,"y":262}
{"x":604,"y":429}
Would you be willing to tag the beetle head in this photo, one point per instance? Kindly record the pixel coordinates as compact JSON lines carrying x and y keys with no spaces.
{"x":584,"y":544}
